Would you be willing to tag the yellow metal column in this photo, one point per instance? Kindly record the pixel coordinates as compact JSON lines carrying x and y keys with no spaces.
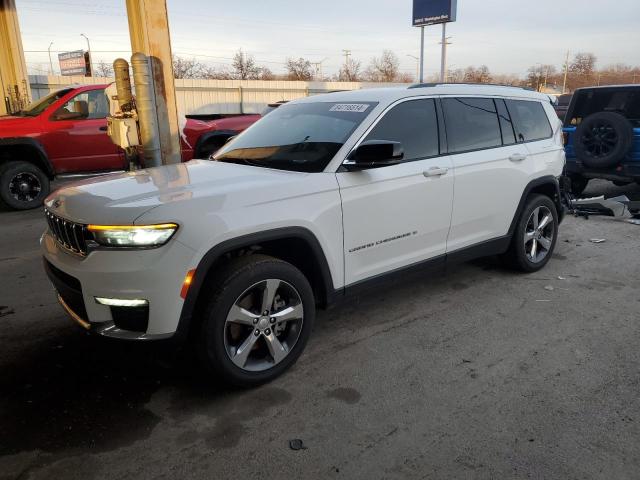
{"x":149,"y":31}
{"x":14,"y":80}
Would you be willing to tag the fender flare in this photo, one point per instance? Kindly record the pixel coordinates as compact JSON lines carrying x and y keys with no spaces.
{"x":205,"y":137}
{"x":549,"y":181}
{"x":37,"y":146}
{"x":219,"y":250}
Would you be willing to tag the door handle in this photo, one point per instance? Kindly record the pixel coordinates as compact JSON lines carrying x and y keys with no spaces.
{"x":435,"y":172}
{"x":103,"y":129}
{"x":518,"y":157}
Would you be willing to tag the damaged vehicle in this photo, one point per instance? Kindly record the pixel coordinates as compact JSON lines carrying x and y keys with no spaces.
{"x":602,"y":136}
{"x":323,"y":198}
{"x":65,"y":134}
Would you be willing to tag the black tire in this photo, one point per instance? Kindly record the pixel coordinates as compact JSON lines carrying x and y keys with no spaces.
{"x":603,"y":139}
{"x":23,"y":186}
{"x":578,"y":184}
{"x":231,"y":283}
{"x":517,"y":257}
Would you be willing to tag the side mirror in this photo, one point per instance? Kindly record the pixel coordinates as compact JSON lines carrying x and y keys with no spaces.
{"x":375,"y":154}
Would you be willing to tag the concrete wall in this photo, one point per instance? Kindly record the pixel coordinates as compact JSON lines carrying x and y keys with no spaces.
{"x":215,"y":96}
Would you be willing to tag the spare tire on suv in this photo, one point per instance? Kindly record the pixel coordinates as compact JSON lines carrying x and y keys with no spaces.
{"x":603,"y":139}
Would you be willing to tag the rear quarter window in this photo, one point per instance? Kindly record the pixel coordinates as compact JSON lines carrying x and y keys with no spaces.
{"x":472,"y":124}
{"x":529,"y":120}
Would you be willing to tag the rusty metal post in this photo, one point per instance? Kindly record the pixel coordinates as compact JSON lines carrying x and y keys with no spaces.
{"x":149,"y":31}
{"x":14,"y":81}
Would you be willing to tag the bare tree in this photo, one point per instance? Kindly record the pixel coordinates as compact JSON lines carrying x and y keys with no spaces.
{"x":299,"y":69}
{"x":245,"y":66}
{"x":350,"y":71}
{"x":266,"y":74}
{"x":405,"y":77}
{"x":477,"y":75}
{"x":583,"y":64}
{"x":540,"y":75}
{"x":188,"y":68}
{"x":103,"y":69}
{"x":383,"y":68}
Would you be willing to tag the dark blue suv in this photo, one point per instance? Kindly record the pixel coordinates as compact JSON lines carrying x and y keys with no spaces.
{"x":602,"y":135}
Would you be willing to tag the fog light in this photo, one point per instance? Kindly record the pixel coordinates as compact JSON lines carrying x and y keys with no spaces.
{"x":121,"y":302}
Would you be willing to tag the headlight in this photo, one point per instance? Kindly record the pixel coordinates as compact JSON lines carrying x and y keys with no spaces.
{"x":133,"y":235}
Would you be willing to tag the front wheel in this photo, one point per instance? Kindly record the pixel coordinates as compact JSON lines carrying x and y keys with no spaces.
{"x":535,"y":235}
{"x":23,"y":185}
{"x":258,"y":320}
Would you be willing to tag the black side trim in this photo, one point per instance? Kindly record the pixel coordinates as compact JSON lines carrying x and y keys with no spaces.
{"x":497,"y":246}
{"x":221,"y":249}
{"x":32,"y":143}
{"x":205,"y":137}
{"x":431,"y":265}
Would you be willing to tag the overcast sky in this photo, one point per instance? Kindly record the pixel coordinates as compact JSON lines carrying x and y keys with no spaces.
{"x":506,"y":35}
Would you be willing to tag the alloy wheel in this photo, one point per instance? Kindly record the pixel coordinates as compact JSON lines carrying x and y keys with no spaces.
{"x":539,"y":234}
{"x":600,"y":140}
{"x":263,"y":325}
{"x":25,"y":187}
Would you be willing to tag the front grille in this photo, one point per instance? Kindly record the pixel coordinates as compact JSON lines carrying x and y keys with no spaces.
{"x":69,"y":235}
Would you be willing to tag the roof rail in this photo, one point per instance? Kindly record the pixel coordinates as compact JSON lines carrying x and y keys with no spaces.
{"x":441,"y":84}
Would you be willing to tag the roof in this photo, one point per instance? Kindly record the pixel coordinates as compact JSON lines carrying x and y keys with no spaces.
{"x":391,"y":94}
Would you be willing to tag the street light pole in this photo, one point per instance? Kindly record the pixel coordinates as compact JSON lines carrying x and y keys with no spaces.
{"x":89,"y":50}
{"x":421,"y":70}
{"x":50,"y":62}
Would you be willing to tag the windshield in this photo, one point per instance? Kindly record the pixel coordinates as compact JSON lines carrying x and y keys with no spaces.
{"x":39,"y":106}
{"x":300,"y":137}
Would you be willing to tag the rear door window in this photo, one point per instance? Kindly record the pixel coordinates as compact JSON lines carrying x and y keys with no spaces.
{"x":530,"y":120}
{"x":472,"y":124}
{"x":414,"y":124}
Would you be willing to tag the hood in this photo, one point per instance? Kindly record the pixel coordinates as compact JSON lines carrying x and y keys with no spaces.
{"x":8,"y":121}
{"x":122,"y":198}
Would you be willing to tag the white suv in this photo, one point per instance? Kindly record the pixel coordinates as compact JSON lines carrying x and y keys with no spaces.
{"x":319,"y":199}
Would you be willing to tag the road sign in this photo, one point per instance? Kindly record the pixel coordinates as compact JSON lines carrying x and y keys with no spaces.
{"x":432,"y":12}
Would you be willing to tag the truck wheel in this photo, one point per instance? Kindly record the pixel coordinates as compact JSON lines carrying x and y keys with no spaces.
{"x":23,"y":185}
{"x":257,"y":321}
{"x":535,"y":236}
{"x":578,"y":184}
{"x":603,"y":139}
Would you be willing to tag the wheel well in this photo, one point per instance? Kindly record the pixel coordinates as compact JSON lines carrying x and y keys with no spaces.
{"x":294,"y":250}
{"x":24,"y":153}
{"x":547,"y":189}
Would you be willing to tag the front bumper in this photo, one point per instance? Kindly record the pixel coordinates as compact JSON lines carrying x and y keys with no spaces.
{"x":154,"y":275}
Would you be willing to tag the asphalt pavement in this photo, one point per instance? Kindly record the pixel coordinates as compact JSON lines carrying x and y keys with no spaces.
{"x":480,"y":373}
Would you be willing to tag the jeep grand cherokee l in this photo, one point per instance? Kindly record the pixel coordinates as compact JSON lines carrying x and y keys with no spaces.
{"x":323,"y":197}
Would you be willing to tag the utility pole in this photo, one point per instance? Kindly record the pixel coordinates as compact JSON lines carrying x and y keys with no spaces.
{"x":417,"y":59}
{"x":50,"y":62}
{"x":347,"y":54}
{"x":566,"y":73}
{"x":443,"y":63}
{"x":89,"y":50}
{"x":150,"y":41}
{"x":14,"y":81}
{"x":318,"y":68}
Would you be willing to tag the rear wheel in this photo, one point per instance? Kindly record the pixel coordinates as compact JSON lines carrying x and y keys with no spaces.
{"x":23,"y":185}
{"x":535,"y":235}
{"x":257,"y":322}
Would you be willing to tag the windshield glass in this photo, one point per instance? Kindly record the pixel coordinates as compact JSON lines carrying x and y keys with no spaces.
{"x":39,"y":106}
{"x":300,"y":137}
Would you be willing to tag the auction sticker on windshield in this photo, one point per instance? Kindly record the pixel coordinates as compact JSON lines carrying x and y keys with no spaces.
{"x":350,"y":107}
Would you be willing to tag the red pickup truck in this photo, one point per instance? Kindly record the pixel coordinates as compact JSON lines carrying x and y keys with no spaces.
{"x":64,"y":134}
